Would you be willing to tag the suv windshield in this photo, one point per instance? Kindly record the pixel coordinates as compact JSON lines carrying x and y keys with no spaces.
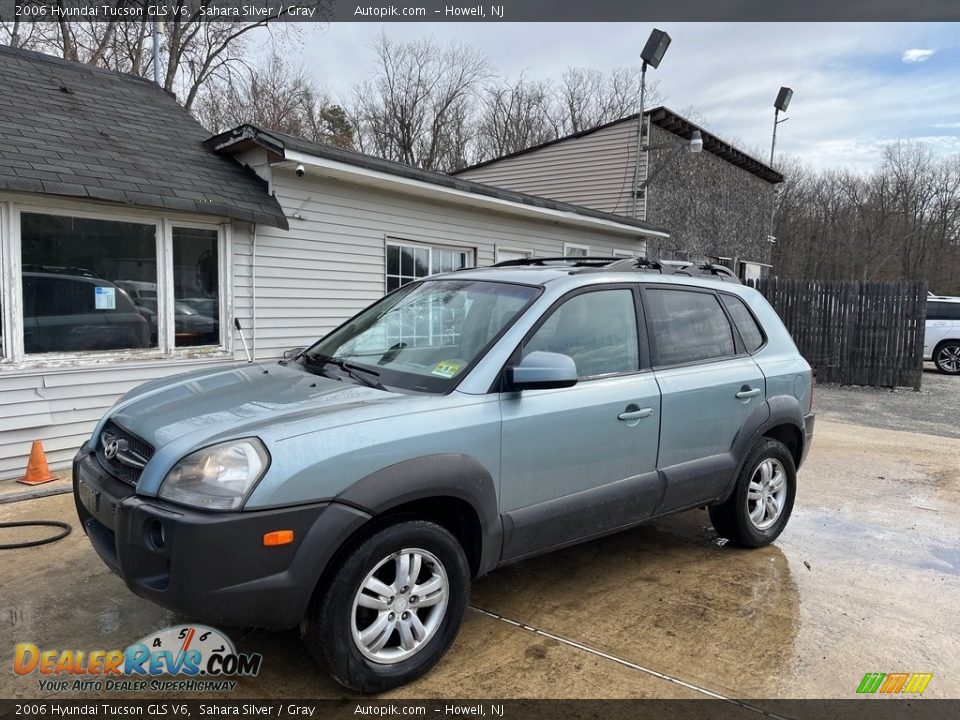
{"x":425,"y":336}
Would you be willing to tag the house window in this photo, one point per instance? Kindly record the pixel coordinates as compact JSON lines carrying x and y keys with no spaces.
{"x":409,"y":262}
{"x":90,"y":286}
{"x":621,"y":253}
{"x":196,"y":286}
{"x":505,"y":254}
{"x":76,"y":273}
{"x":574,"y":250}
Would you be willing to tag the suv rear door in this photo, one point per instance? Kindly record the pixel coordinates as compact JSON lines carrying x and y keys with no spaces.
{"x":581,"y":461}
{"x":709,"y":386}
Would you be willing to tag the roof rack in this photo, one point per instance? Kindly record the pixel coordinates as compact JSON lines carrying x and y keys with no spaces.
{"x":599,"y":263}
{"x":567,"y":260}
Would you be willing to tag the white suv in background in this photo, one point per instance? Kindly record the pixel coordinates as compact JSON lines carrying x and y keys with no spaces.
{"x":941,"y":342}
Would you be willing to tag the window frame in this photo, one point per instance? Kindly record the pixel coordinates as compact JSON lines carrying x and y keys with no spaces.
{"x":643,"y":348}
{"x":393,"y":240}
{"x":497,"y":249}
{"x":577,"y":246}
{"x":738,"y":348}
{"x":737,"y":336}
{"x":11,"y":247}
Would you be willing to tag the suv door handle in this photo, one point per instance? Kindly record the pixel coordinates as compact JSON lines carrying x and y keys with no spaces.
{"x":635,"y":414}
{"x":748,"y":393}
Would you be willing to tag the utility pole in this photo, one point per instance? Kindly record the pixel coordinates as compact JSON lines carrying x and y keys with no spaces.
{"x":652,"y":54}
{"x":156,"y":52}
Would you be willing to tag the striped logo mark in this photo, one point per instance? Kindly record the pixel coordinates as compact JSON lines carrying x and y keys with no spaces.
{"x":892,"y":683}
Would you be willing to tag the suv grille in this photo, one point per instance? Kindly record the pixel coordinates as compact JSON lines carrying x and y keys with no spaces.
{"x":126,"y":459}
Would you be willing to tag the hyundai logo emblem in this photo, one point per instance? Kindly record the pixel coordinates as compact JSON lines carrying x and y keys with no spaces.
{"x":111,"y":450}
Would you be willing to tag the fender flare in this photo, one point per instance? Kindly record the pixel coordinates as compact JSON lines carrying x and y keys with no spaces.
{"x":444,"y":475}
{"x":778,"y":410}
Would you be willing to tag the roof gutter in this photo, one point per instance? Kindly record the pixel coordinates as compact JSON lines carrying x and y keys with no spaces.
{"x":387,"y":181}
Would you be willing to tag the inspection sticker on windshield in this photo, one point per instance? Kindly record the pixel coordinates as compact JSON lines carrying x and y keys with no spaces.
{"x":446,"y":369}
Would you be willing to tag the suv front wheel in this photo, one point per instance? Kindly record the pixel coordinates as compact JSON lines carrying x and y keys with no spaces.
{"x":759,"y":507}
{"x":392,"y":608}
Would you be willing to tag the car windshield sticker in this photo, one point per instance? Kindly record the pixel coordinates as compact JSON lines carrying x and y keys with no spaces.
{"x":446,"y":369}
{"x":105,"y":298}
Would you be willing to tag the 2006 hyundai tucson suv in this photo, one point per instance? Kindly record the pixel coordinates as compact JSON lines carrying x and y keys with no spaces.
{"x":462,"y":422}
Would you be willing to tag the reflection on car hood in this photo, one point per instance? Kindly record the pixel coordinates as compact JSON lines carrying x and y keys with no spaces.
{"x":247,"y":400}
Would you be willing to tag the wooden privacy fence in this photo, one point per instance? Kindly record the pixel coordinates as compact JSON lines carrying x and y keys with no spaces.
{"x":854,"y":333}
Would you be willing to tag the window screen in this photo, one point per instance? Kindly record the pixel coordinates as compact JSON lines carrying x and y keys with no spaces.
{"x":597,"y":329}
{"x":750,"y":332}
{"x":687,"y":326}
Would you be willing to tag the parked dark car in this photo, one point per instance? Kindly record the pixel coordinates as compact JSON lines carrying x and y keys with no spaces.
{"x":60,"y":314}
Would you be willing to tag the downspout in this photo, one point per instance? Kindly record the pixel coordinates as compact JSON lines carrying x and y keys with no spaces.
{"x":253,"y":290}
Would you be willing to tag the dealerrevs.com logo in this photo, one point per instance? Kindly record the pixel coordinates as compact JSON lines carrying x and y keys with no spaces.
{"x":204,"y":655}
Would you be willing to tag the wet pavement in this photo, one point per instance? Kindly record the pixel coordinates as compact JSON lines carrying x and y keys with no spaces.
{"x":866,"y":578}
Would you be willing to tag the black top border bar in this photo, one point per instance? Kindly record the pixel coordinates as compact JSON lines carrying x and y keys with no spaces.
{"x":497,"y":11}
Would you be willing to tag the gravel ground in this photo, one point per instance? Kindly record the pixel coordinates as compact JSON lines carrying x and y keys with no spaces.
{"x":934,"y":410}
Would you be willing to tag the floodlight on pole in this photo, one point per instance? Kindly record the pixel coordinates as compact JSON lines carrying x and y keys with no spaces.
{"x":779,"y":105}
{"x":652,"y":54}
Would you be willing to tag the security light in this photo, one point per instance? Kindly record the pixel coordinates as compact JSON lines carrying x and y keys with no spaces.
{"x":696,"y":142}
{"x":655,"y":49}
{"x":783,"y":99}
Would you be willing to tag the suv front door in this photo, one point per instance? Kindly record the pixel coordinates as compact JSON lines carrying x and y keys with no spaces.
{"x":581,"y":461}
{"x":709,"y":387}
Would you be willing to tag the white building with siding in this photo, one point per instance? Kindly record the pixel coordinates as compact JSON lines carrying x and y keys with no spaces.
{"x":130,"y":243}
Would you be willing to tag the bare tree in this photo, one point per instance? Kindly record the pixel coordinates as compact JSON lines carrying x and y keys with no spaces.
{"x":514,"y":116}
{"x":274,"y":95}
{"x":899,"y":221}
{"x":587,"y":98}
{"x":415,"y":108}
{"x":194,"y":49}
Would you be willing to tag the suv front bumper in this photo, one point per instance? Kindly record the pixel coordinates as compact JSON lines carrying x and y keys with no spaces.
{"x":211,"y":566}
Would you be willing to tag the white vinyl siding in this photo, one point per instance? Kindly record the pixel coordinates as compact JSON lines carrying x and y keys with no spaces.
{"x":60,"y":401}
{"x":331,"y":264}
{"x":595,"y":170}
{"x":326,"y":268}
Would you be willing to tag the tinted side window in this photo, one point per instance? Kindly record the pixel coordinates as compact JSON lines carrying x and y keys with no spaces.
{"x":597,"y":329}
{"x":687,"y":326}
{"x":750,"y":332}
{"x":936,"y":310}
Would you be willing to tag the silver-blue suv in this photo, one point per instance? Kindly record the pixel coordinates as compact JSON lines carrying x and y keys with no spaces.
{"x":462,"y":422}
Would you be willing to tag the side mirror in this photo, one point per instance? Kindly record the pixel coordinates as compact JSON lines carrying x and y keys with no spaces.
{"x":292,"y":353}
{"x":542,"y":371}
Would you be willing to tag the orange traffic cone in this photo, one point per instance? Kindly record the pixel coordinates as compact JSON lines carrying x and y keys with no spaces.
{"x":37,"y":470}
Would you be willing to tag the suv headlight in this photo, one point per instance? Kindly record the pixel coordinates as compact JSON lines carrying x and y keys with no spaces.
{"x":218,"y":477}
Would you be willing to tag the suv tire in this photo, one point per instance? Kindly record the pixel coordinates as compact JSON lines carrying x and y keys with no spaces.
{"x":758,"y":509}
{"x":946,"y":356}
{"x":348,"y":627}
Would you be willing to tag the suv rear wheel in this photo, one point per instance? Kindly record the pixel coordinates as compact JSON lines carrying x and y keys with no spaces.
{"x":760,"y":505}
{"x":392,"y":609}
{"x":947,"y":357}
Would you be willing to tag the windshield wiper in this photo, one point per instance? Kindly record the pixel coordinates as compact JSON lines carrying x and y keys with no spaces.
{"x":354,"y":371}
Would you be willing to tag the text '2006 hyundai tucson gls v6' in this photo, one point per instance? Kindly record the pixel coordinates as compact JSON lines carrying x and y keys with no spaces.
{"x":460,"y":423}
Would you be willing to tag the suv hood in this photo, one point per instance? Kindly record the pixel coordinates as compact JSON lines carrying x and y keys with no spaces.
{"x":212,"y":405}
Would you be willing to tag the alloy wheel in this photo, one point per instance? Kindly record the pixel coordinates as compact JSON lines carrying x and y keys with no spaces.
{"x":948,"y":358}
{"x":400,"y":605}
{"x":767,"y":493}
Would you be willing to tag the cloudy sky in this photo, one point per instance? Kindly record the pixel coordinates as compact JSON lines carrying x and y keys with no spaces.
{"x":857,"y":86}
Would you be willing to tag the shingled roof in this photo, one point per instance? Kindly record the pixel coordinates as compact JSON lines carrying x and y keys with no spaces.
{"x":70,"y":129}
